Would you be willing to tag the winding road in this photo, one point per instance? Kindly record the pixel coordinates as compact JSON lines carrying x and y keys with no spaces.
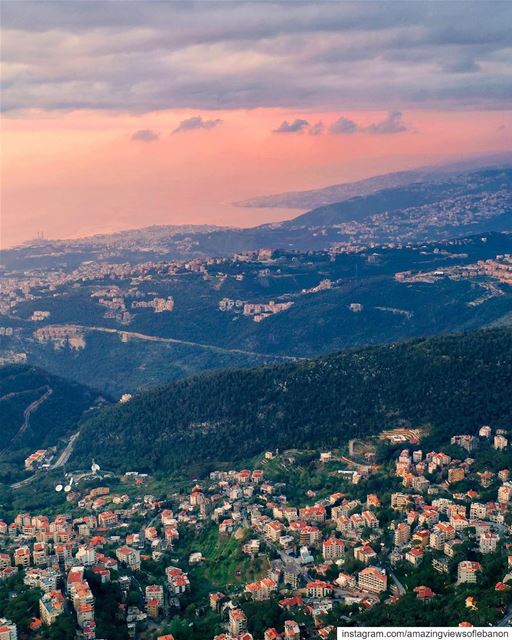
{"x":33,"y":406}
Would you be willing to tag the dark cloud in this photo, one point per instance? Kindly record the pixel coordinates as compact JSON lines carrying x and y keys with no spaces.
{"x":145,"y":135}
{"x":196,"y":122}
{"x":297,"y":126}
{"x":139,"y":56}
{"x":344,"y":126}
{"x":392,"y":123}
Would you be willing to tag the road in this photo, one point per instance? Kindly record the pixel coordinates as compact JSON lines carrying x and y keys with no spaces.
{"x":66,"y":454}
{"x":60,"y":462}
{"x":33,"y":406}
{"x":505,"y":621}
{"x":398,"y":584}
{"x":198,"y":345}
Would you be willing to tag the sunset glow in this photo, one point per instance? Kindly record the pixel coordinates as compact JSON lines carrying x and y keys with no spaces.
{"x":90,"y":165}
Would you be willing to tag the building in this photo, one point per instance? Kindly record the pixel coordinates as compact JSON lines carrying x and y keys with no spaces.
{"x":333,"y":549}
{"x":155,"y":592}
{"x":8,"y":630}
{"x":399,"y":501}
{"x":469,"y":443}
{"x":372,"y":579}
{"x":291,"y":575}
{"x":130,"y":557}
{"x":51,"y":605}
{"x":488,"y":542}
{"x":364,"y":554}
{"x":237,"y":622}
{"x":500,"y":442}
{"x":414,"y":556}
{"x":467,"y":571}
{"x":318,"y":589}
{"x":402,"y":534}
{"x":261,"y":590}
{"x":291,"y":630}
{"x":177,"y":580}
{"x":22,"y":557}
{"x":423,"y":593}
{"x":456,"y":474}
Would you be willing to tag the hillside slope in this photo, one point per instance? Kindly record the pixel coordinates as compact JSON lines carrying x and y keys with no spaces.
{"x":313,"y":198}
{"x":37,"y":408}
{"x":452,"y":383}
{"x":393,"y":201}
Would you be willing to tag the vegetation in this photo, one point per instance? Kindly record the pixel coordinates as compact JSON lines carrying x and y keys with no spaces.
{"x":450,"y":384}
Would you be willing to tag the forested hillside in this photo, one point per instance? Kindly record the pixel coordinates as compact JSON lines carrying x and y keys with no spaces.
{"x":37,"y":408}
{"x":451,"y":384}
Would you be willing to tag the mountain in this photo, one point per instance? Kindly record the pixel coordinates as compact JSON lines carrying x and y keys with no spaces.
{"x":38,"y":408}
{"x":451,"y":206}
{"x":451,"y":384}
{"x":448,"y":205}
{"x":313,"y":198}
{"x":393,"y":201}
{"x":219,"y":312}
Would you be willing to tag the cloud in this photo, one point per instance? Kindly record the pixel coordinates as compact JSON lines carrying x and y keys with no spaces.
{"x":297,"y":126}
{"x":317,"y":129}
{"x":343,"y":126}
{"x":137,"y":57}
{"x":392,"y":123}
{"x":145,"y":135}
{"x":196,"y":122}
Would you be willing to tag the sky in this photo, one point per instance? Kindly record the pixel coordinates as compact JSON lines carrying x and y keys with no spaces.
{"x":121,"y":114}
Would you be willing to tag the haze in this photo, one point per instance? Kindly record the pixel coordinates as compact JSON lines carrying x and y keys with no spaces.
{"x":124,"y":114}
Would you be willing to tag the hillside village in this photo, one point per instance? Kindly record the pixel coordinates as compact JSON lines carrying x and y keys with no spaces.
{"x":228,"y":553}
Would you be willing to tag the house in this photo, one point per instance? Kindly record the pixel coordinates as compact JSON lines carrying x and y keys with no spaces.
{"x":500,"y":442}
{"x":425,"y":594}
{"x":414,"y":556}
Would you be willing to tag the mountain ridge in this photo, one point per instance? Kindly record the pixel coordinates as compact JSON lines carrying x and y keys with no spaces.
{"x":313,"y":198}
{"x":445,"y":383}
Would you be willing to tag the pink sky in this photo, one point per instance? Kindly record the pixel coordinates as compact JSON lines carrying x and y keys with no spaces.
{"x":77,"y":173}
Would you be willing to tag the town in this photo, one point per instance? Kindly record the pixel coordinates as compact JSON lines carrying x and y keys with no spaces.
{"x":306,"y":551}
